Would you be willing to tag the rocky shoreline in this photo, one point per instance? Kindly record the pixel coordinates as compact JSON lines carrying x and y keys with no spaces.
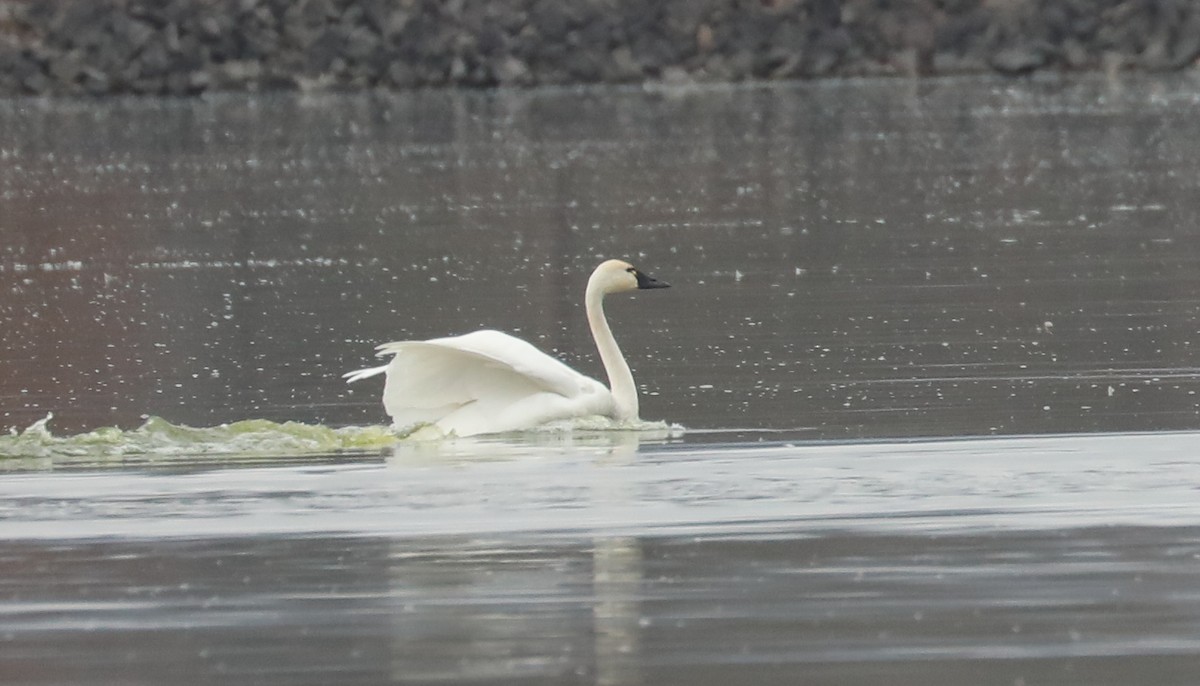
{"x":185,"y":47}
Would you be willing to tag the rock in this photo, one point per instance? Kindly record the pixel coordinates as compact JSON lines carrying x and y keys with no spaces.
{"x":190,"y":46}
{"x":675,"y":76}
{"x":131,"y":32}
{"x":363,"y":43}
{"x":551,"y":18}
{"x":65,"y":68}
{"x":400,"y":75}
{"x":36,"y":83}
{"x":238,"y":72}
{"x":623,"y":66}
{"x":154,"y":59}
{"x":1018,"y":59}
{"x":512,"y":71}
{"x":1187,"y":49}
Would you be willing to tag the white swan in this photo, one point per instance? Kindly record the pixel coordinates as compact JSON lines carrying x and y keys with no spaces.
{"x":490,"y":382}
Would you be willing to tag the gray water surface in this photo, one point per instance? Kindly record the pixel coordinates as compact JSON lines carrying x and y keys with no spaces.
{"x":1071,"y":559}
{"x":856,"y":259}
{"x":932,"y":346}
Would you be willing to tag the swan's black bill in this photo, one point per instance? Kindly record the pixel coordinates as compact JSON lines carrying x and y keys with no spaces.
{"x":647,"y":281}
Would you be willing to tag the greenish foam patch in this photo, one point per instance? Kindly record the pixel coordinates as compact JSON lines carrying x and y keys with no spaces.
{"x":159,"y":438}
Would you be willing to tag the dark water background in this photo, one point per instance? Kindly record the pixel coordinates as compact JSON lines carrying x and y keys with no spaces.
{"x":856,"y":258}
{"x":856,"y":265}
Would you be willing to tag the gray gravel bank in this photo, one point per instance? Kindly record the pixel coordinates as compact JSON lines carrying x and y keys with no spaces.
{"x":192,"y":46}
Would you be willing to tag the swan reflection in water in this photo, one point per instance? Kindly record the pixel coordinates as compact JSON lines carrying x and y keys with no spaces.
{"x":603,"y":446}
{"x":490,"y":382}
{"x":475,"y":594}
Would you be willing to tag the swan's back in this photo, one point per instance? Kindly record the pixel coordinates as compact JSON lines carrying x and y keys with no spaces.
{"x":483,"y":382}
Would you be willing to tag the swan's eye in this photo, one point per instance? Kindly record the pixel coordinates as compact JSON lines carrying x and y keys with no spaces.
{"x":632,"y":270}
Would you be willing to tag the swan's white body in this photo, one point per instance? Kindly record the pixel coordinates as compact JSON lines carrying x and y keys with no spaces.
{"x":490,"y":382}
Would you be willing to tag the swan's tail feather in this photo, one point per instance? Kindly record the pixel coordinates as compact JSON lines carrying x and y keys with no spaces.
{"x":361,"y":374}
{"x":385,"y":349}
{"x":393,"y":348}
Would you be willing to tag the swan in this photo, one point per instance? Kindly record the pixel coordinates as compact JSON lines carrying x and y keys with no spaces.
{"x":490,"y":382}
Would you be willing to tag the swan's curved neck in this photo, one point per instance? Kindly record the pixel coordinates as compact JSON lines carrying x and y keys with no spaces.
{"x":620,"y":379}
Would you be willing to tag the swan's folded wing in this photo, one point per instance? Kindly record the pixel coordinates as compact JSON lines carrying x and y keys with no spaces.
{"x":491,"y":371}
{"x":501,"y":351}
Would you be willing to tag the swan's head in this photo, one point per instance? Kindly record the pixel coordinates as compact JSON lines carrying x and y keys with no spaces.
{"x":616,"y":276}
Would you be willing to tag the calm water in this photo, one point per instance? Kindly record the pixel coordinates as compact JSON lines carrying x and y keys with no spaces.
{"x":933,"y":346}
